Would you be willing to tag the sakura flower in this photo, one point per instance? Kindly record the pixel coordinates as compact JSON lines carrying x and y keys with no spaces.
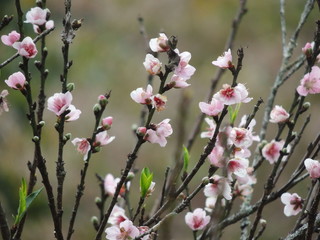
{"x":241,"y":137}
{"x":49,"y":24}
{"x":107,"y":122}
{"x":271,"y":151}
{"x":125,"y":231}
{"x":216,"y":157}
{"x":293,"y":204}
{"x":179,"y":82}
{"x":250,"y":127}
{"x":310,"y":83}
{"x":219,"y":185}
{"x":16,"y":81}
{"x":117,"y":216}
{"x":242,"y":190}
{"x":159,"y":44}
{"x":110,"y":184}
{"x":158,"y":101}
{"x":313,"y":168}
{"x":279,"y":115}
{"x":59,"y":102}
{"x":224,"y":61}
{"x":211,"y":109}
{"x":142,"y":96}
{"x":26,"y":48}
{"x":83,"y":146}
{"x":152,"y":64}
{"x":247,"y":179}
{"x":103,"y":138}
{"x":36,"y":16}
{"x":144,"y":229}
{"x":197,"y":219}
{"x":210,"y":131}
{"x":184,"y":69}
{"x":238,"y":166}
{"x":74,"y":113}
{"x":3,"y":101}
{"x":210,"y":203}
{"x":11,"y":38}
{"x":232,"y":95}
{"x":159,"y":132}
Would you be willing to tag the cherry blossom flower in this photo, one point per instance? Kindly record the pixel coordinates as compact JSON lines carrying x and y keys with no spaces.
{"x":36,"y":16}
{"x":293,"y":204}
{"x":152,"y":64}
{"x":197,"y":219}
{"x":117,"y":216}
{"x":159,"y":133}
{"x":158,"y":101}
{"x":241,"y":137}
{"x":210,"y":131}
{"x":184,"y":69}
{"x":216,"y":157}
{"x":144,"y":229}
{"x":210,"y":203}
{"x":125,"y":231}
{"x":224,"y":61}
{"x":238,"y":166}
{"x":3,"y":101}
{"x":313,"y":168}
{"x":250,"y":127}
{"x":159,"y":44}
{"x":83,"y":146}
{"x":49,"y":24}
{"x":271,"y":151}
{"x":178,"y":82}
{"x":107,"y":122}
{"x":142,"y":96}
{"x":26,"y":48}
{"x":74,"y":113}
{"x":16,"y":81}
{"x":279,"y":115}
{"x":213,"y":108}
{"x":11,"y":38}
{"x":233,"y":95}
{"x":219,"y":185}
{"x":110,"y":185}
{"x":102,"y":138}
{"x":310,"y":83}
{"x":59,"y":102}
{"x":242,"y":190}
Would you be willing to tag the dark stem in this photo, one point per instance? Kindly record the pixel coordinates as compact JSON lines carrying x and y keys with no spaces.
{"x":5,"y":231}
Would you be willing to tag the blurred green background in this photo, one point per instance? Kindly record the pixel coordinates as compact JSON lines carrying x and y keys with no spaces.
{"x":107,"y":54}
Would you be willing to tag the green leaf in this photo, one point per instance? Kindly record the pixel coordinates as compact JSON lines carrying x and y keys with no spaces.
{"x":186,"y":158}
{"x":233,"y":113}
{"x":145,"y":181}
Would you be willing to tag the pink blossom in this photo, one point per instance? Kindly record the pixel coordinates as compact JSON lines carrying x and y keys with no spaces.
{"x":37,"y":16}
{"x":307,"y":49}
{"x":159,"y":133}
{"x":310,"y":83}
{"x":59,"y":102}
{"x":248,"y":179}
{"x":271,"y":151}
{"x":110,"y":184}
{"x":313,"y":168}
{"x":210,"y":131}
{"x":141,"y":131}
{"x":3,"y":101}
{"x":238,"y":166}
{"x":211,"y":109}
{"x":107,"y":122}
{"x":142,"y":96}
{"x":241,"y":137}
{"x":279,"y":115}
{"x":144,"y":229}
{"x":219,"y":185}
{"x":293,"y":204}
{"x":216,"y":157}
{"x":184,"y":69}
{"x":11,"y":38}
{"x":102,"y":138}
{"x":117,"y":215}
{"x":158,"y":101}
{"x":179,"y":82}
{"x":197,"y":219}
{"x":152,"y":64}
{"x":49,"y":24}
{"x":250,"y":127}
{"x":224,"y":61}
{"x":233,"y":95}
{"x":26,"y":48}
{"x":16,"y":81}
{"x":74,"y":113}
{"x":83,"y":146}
{"x":159,"y":44}
{"x":210,"y":203}
{"x":125,"y":231}
{"x":242,"y":190}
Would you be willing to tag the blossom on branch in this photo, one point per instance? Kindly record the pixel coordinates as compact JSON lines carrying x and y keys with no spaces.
{"x":271,"y":151}
{"x":310,"y":83}
{"x":279,"y":115}
{"x":178,"y":82}
{"x":74,"y":113}
{"x":233,"y":95}
{"x":117,"y":215}
{"x":224,"y":61}
{"x":210,"y":130}
{"x":293,"y":204}
{"x":219,"y":185}
{"x":241,"y":137}
{"x":3,"y":101}
{"x":184,"y":69}
{"x":197,"y":219}
{"x":158,"y":102}
{"x":159,"y":44}
{"x":152,"y":64}
{"x":83,"y":146}
{"x":26,"y":48}
{"x":159,"y":132}
{"x":36,"y":16}
{"x":313,"y":168}
{"x":213,"y":108}
{"x":142,"y":96}
{"x":16,"y":81}
{"x":11,"y":38}
{"x":102,"y":138}
{"x":125,"y":231}
{"x":59,"y":102}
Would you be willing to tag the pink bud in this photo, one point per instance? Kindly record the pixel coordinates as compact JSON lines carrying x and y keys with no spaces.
{"x":11,"y":38}
{"x":106,"y":123}
{"x":141,"y":131}
{"x":224,"y":61}
{"x":16,"y":81}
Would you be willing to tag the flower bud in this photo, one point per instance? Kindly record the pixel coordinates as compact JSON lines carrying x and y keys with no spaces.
{"x":35,"y":139}
{"x":96,"y":108}
{"x":98,"y":201}
{"x":205,"y":180}
{"x":130,"y":176}
{"x":141,"y":131}
{"x":70,"y":87}
{"x":41,"y":123}
{"x":102,"y":100}
{"x":106,"y":123}
{"x":263,"y":222}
